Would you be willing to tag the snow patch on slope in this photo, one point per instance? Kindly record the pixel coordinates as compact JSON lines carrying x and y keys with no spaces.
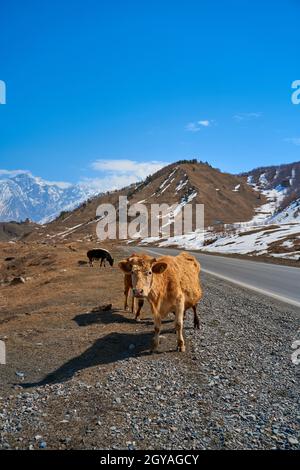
{"x":256,"y":236}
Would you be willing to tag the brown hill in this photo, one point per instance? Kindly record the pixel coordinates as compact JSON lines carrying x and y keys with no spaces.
{"x":227,"y":198}
{"x":16,"y":230}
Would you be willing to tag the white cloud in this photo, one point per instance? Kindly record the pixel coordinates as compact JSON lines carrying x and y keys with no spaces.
{"x":192,"y":127}
{"x":204,"y":123}
{"x":118,"y":173}
{"x":293,"y":140}
{"x":196,"y":126}
{"x":107,"y":183}
{"x":128,"y":168}
{"x":246,"y":116}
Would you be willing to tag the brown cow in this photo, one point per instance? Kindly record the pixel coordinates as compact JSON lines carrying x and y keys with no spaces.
{"x":170,"y":283}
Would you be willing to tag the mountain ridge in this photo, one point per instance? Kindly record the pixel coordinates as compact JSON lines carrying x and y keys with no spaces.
{"x":226,"y":197}
{"x":24,"y":196}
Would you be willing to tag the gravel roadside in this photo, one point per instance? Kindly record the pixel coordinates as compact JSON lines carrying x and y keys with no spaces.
{"x":236,"y":387}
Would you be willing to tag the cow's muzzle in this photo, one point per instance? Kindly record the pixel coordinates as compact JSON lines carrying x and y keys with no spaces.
{"x":138,"y":292}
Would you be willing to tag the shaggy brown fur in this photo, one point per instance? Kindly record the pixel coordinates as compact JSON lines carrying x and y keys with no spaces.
{"x":170,"y":283}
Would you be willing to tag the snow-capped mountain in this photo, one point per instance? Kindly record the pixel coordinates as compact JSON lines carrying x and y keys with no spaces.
{"x":281,"y":185}
{"x":25,"y":196}
{"x":273,"y":230}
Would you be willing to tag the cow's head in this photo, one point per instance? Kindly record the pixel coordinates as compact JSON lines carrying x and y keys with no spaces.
{"x":142,"y":270}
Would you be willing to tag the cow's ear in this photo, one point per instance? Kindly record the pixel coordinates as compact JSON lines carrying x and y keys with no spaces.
{"x":125,"y":266}
{"x":159,"y":267}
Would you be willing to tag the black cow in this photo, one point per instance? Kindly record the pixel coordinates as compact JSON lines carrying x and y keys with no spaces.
{"x":100,"y":254}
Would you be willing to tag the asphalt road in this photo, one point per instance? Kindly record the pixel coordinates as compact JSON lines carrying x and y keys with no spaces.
{"x":280,"y":282}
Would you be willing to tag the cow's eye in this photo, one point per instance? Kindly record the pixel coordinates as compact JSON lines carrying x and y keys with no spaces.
{"x":149,"y":272}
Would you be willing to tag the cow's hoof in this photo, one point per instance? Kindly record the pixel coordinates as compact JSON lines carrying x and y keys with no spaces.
{"x":181,"y":348}
{"x":154,"y":347}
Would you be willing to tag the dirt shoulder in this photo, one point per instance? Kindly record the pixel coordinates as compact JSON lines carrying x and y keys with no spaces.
{"x":44,"y":318}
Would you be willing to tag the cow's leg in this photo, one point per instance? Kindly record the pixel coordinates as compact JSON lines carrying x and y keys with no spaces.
{"x":140,"y":306}
{"x":101,"y":262}
{"x":179,"y":325}
{"x":126,"y":292}
{"x":157,"y":328}
{"x":196,"y":318}
{"x":91,"y":263}
{"x":132,"y":303}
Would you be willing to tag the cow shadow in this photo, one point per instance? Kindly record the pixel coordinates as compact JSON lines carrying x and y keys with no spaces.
{"x":109,"y":349}
{"x":107,"y":316}
{"x":113,"y":347}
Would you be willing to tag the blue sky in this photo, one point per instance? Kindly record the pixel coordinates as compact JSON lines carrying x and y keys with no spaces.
{"x":97,"y":88}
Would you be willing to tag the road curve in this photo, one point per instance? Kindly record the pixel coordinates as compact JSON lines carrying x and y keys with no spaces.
{"x":273,"y":280}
